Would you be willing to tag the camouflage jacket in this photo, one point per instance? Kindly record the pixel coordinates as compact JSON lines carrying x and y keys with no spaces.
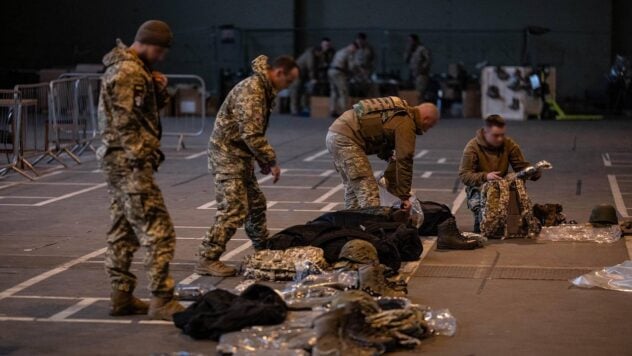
{"x":401,"y":135}
{"x":420,"y":61}
{"x":238,"y":137}
{"x":129,"y":104}
{"x":495,"y":200}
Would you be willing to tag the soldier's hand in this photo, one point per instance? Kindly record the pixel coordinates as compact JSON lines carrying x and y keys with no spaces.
{"x":276,"y":173}
{"x":160,"y":80}
{"x":493,"y":176}
{"x":406,"y":205}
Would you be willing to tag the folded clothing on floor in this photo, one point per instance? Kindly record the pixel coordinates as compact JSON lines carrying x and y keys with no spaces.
{"x":220,"y":311}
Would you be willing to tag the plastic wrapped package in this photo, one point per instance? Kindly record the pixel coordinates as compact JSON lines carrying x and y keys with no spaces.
{"x":191,"y":292}
{"x":388,"y":199}
{"x":581,"y":232}
{"x":318,"y":289}
{"x":617,"y":277}
{"x":441,"y":321}
{"x":265,"y":341}
{"x":243,"y":285}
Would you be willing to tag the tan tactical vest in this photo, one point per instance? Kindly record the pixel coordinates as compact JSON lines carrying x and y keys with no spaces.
{"x":372,"y":114}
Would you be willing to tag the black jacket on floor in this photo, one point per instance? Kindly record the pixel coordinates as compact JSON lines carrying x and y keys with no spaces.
{"x":220,"y":311}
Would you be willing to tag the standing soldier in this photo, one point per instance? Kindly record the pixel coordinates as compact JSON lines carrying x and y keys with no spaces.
{"x":307,"y":64}
{"x":313,"y":65}
{"x":338,"y":74}
{"x":419,"y":63}
{"x":384,"y":126}
{"x":363,"y":67}
{"x":131,"y":95}
{"x":238,"y":139}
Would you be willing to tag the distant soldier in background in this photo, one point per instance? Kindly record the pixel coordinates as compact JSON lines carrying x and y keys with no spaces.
{"x":419,"y":60}
{"x":387,"y":127}
{"x":131,"y":95}
{"x":327,"y":55}
{"x":339,"y":72}
{"x":310,"y":64}
{"x":363,"y":67}
{"x":237,"y":141}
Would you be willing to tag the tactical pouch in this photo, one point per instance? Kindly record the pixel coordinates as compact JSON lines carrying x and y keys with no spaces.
{"x":372,"y":114}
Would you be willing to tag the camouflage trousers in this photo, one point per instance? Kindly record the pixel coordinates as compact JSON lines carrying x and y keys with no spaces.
{"x":240,"y":201}
{"x":361,"y":189}
{"x":473,"y":194}
{"x":421,"y":84}
{"x":139,"y":217}
{"x":338,"y":91}
{"x":299,"y":96}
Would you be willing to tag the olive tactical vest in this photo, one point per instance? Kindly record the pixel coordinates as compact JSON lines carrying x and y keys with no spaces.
{"x":372,"y":114}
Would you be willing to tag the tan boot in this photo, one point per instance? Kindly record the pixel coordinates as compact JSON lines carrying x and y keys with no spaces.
{"x":215,"y":268}
{"x":124,"y":303}
{"x":161,"y":308}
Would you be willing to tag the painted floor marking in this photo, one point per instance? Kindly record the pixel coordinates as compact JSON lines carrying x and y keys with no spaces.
{"x":195,"y":155}
{"x":421,"y":154}
{"x":43,"y":276}
{"x":316,"y":155}
{"x":616,"y":195}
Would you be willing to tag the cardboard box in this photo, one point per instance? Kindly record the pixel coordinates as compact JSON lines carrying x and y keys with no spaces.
{"x":472,"y":103}
{"x":46,"y":75}
{"x":188,"y":101}
{"x":411,"y":96}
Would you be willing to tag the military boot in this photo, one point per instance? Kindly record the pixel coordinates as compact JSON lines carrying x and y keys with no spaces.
{"x":163,"y":308}
{"x":124,"y":303}
{"x":215,"y":268}
{"x":449,"y":237}
{"x":372,"y":281}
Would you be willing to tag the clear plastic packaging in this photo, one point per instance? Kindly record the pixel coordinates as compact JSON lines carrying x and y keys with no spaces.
{"x":388,"y":199}
{"x":267,"y":340}
{"x":441,"y":321}
{"x":580,"y":232}
{"x":617,"y":277}
{"x":318,"y":289}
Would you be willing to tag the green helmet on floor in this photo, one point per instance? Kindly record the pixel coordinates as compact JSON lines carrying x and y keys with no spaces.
{"x":603,"y":214}
{"x":359,"y":251}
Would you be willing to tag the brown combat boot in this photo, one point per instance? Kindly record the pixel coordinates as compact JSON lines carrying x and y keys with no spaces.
{"x":163,"y":308}
{"x":124,"y":303}
{"x":215,"y":268}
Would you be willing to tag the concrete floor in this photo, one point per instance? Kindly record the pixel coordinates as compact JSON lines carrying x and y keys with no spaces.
{"x":509,"y":297}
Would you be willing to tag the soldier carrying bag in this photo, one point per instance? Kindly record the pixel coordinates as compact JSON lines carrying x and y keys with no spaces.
{"x":372,"y":114}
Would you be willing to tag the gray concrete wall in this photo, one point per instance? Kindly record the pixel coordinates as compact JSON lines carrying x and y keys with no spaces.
{"x":65,"y":32}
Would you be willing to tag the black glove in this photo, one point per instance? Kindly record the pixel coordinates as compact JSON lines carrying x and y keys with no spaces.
{"x":264,"y":168}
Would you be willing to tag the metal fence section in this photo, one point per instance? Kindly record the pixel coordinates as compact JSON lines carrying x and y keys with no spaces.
{"x":185,"y":114}
{"x":9,"y":132}
{"x":74,"y":121}
{"x":35,"y":135}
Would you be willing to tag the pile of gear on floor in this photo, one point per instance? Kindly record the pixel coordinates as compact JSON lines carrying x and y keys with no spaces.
{"x":342,"y":291}
{"x":509,"y":213}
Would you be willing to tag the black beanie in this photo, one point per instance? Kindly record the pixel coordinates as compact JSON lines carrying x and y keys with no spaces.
{"x":154,"y":32}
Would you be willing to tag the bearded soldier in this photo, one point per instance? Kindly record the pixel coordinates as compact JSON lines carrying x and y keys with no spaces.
{"x":384,"y":126}
{"x":237,"y":141}
{"x":131,"y":95}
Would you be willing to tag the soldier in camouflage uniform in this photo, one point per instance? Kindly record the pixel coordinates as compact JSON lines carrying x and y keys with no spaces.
{"x":338,"y":75}
{"x":131,"y":95}
{"x":487,"y":157}
{"x":419,"y":60}
{"x":384,"y":126}
{"x":237,"y":141}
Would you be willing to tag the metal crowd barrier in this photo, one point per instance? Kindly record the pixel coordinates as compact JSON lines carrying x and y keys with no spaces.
{"x":185,"y":115}
{"x":34,"y":120}
{"x":10,"y":132}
